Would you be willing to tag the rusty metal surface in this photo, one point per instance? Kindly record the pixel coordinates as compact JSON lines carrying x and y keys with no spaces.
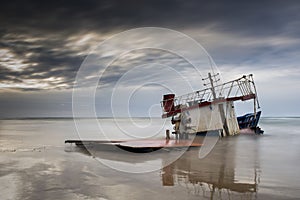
{"x":158,"y":143}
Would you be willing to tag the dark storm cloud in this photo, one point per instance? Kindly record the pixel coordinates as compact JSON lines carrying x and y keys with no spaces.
{"x":43,"y":43}
{"x":41,"y":58}
{"x":266,"y":16}
{"x":43,"y":29}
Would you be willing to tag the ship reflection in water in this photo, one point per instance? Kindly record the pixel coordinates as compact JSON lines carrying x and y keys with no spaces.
{"x":218,"y":174}
{"x":230,"y":170}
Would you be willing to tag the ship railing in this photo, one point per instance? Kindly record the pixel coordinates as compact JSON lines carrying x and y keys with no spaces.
{"x":238,"y":88}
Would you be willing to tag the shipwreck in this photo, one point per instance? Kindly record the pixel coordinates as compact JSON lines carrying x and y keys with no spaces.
{"x":212,"y":109}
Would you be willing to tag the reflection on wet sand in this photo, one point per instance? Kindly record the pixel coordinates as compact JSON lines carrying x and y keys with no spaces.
{"x":216,"y":176}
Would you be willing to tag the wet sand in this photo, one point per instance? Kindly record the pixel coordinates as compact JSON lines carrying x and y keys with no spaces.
{"x":36,"y":164}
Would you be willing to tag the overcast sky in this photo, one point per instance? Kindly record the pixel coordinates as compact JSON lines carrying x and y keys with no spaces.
{"x":44,"y":43}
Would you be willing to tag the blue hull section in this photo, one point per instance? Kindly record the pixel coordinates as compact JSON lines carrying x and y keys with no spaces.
{"x":249,"y":121}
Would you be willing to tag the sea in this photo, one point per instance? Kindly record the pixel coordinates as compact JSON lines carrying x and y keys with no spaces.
{"x":36,"y":163}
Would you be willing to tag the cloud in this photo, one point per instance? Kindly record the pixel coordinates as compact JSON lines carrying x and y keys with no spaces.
{"x":37,"y":60}
{"x":51,"y":39}
{"x":42,"y":45}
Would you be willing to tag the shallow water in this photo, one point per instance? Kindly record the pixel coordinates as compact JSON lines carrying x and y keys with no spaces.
{"x":36,"y":164}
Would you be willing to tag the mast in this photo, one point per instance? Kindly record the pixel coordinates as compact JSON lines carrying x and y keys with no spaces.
{"x":212,"y":85}
{"x":220,"y":105}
